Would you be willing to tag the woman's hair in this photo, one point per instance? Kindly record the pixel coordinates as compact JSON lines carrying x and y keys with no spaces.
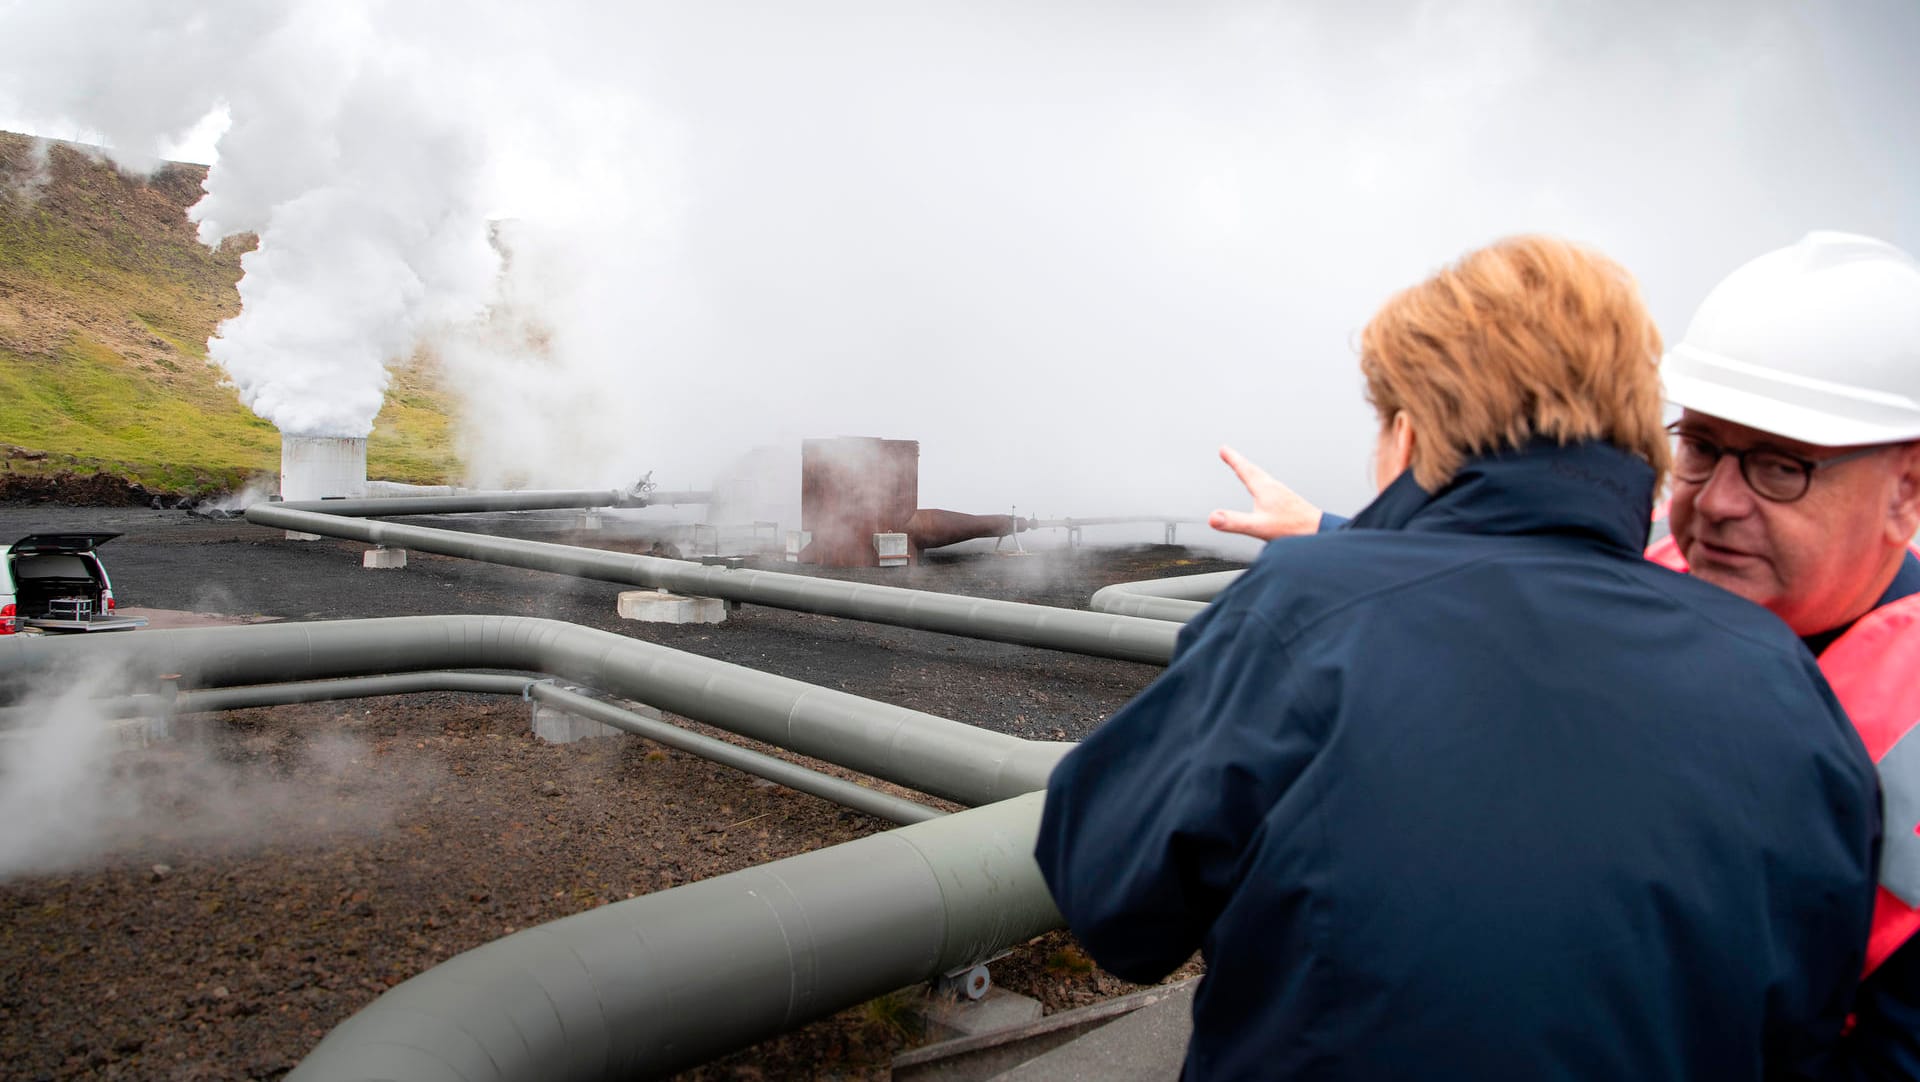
{"x":1529,"y":337}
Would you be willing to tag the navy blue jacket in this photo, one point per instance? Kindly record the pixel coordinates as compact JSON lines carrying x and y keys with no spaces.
{"x":1473,"y":791}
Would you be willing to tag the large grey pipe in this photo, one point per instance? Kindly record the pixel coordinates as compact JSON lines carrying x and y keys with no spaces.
{"x":920,"y":751}
{"x":1100,"y":634}
{"x":474,"y":502}
{"x":1175,"y":600}
{"x":641,"y":988}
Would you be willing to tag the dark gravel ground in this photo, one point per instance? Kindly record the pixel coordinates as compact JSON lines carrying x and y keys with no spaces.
{"x":217,"y":903}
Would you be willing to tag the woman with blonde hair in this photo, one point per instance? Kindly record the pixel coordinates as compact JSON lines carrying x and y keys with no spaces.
{"x":1470,"y":790}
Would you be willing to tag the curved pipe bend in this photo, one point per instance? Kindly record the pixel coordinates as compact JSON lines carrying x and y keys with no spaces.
{"x":1174,"y":600}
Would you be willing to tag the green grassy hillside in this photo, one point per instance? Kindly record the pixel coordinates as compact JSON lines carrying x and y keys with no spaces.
{"x":106,"y":305}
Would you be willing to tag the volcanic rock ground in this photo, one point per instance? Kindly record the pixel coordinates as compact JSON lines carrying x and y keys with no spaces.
{"x":241,"y":890}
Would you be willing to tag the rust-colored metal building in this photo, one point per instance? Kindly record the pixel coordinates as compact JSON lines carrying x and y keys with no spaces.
{"x":854,"y":487}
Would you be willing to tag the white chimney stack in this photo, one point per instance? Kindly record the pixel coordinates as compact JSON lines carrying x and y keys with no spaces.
{"x":321,"y":468}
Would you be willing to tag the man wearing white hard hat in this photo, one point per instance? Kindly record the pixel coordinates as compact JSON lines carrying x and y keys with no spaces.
{"x":1796,"y":484}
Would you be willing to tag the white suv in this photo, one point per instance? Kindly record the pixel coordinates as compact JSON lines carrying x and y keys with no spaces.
{"x":54,"y":582}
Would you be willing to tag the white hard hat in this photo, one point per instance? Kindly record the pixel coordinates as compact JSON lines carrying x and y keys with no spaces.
{"x":1819,"y":342}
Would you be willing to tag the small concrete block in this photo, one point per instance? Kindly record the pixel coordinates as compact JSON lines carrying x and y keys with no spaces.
{"x":556,"y":726}
{"x":797,"y":540}
{"x":660,"y":607}
{"x":892,"y":548}
{"x":296,"y":535}
{"x":988,"y":1056}
{"x":383,"y":557}
{"x":140,"y":732}
{"x":1148,"y":1045}
{"x":997,"y":1010}
{"x":589,"y":520}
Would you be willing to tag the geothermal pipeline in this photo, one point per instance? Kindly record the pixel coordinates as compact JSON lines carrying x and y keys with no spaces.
{"x":661,"y":982}
{"x":650,"y":985}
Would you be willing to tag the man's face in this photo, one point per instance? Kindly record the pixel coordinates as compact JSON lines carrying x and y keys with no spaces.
{"x":1817,"y":562}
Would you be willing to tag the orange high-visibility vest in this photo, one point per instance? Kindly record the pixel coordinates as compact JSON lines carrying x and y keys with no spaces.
{"x":1874,"y":670}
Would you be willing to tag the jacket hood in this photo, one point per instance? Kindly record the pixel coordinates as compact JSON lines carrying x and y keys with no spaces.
{"x":1588,"y":489}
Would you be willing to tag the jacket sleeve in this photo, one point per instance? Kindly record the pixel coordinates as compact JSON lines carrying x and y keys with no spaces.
{"x":1330,"y":522}
{"x":1147,"y":821}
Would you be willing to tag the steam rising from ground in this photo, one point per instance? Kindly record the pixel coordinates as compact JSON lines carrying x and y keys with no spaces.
{"x":77,"y":786}
{"x":54,"y":800}
{"x":1069,"y":247}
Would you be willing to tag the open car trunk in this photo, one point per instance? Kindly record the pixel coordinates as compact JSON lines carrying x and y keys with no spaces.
{"x":59,"y":585}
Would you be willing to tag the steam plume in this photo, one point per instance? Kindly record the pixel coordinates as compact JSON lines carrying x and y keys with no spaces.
{"x":1069,"y":247}
{"x":360,"y":183}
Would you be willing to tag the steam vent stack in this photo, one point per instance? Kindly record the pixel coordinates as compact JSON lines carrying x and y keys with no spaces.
{"x":852,"y":488}
{"x":321,"y":468}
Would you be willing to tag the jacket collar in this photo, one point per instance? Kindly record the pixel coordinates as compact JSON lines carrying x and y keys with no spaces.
{"x":1588,"y":489}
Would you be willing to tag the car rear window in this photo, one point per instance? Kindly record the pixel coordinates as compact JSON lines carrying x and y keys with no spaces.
{"x":51,"y":565}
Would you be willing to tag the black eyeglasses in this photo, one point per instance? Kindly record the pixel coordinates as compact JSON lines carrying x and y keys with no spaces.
{"x":1773,"y":474}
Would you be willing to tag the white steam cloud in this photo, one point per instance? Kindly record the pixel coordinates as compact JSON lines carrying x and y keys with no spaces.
{"x":55,"y":800}
{"x":1070,"y":247}
{"x":339,"y":154}
{"x":80,"y":785}
{"x":362,"y":190}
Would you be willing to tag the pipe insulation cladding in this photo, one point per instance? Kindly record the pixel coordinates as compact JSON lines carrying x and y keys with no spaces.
{"x":645,"y":987}
{"x":930,"y":754}
{"x":1127,"y":638}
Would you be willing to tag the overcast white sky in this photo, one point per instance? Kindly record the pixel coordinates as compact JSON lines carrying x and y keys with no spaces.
{"x":198,"y":144}
{"x":1070,"y":247}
